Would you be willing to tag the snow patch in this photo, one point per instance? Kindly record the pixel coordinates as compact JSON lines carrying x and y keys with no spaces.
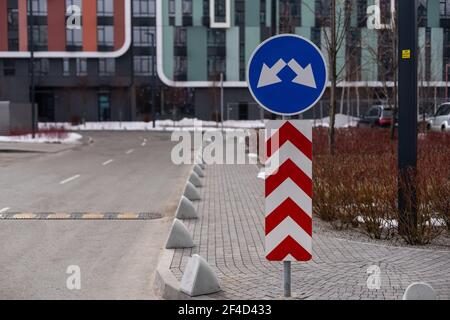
{"x":69,"y":138}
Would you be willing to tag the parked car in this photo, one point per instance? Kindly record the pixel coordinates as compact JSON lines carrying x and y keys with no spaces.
{"x":377,"y":116}
{"x":441,"y":120}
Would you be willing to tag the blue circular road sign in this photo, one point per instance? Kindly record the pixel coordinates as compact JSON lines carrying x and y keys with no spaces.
{"x":287,"y":74}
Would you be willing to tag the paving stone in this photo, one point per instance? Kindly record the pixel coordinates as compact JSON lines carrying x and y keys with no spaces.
{"x":230,"y":235}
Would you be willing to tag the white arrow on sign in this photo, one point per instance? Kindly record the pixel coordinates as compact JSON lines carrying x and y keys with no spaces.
{"x":305,"y":76}
{"x":269,"y":76}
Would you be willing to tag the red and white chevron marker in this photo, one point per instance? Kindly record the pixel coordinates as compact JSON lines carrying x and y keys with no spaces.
{"x":289,"y":190}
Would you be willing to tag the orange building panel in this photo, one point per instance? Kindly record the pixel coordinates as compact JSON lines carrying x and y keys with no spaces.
{"x":23,"y":26}
{"x":89,"y":13}
{"x":119,"y":24}
{"x":56,"y":25}
{"x":3,"y":25}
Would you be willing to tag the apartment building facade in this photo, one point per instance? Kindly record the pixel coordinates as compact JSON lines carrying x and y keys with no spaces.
{"x":106,"y":66}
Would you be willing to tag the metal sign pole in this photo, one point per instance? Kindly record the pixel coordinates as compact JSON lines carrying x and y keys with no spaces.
{"x":287,"y":279}
{"x":287,"y":273}
{"x":153,"y":76}
{"x":221,"y":99}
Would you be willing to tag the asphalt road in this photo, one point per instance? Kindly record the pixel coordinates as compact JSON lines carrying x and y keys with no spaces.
{"x":119,"y":172}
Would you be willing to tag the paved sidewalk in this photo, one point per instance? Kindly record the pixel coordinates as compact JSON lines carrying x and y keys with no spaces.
{"x":230,"y":235}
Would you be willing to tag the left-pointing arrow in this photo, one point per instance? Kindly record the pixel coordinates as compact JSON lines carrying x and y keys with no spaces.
{"x":269,"y":76}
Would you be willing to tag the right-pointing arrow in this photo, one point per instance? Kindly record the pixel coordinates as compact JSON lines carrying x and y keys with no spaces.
{"x":305,"y":76}
{"x":269,"y":75}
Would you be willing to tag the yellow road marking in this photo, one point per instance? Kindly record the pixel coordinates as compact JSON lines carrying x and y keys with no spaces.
{"x":58,"y":216}
{"x":128,"y":216}
{"x":24,"y":216}
{"x":93,"y":216}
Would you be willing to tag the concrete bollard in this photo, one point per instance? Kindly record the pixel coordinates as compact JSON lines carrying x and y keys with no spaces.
{"x":200,"y":162}
{"x":179,"y":236}
{"x":199,"y":171}
{"x":202,"y":165}
{"x":199,"y":278}
{"x":195,"y":180}
{"x":191,"y":192}
{"x":419,"y":291}
{"x":186,"y":209}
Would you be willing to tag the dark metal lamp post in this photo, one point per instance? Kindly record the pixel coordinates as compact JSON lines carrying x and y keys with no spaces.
{"x":32,"y":81}
{"x":153,"y":75}
{"x":407,"y":127}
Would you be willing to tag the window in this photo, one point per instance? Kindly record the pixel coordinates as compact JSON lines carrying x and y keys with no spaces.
{"x":219,"y":10}
{"x":66,"y":67}
{"x":74,"y":37}
{"x":41,"y":67}
{"x":187,"y":7}
{"x":289,"y":11}
{"x":180,"y":66}
{"x":220,"y":13}
{"x":105,"y":8}
{"x":446,"y":49}
{"x":374,"y":112}
{"x":74,"y":2}
{"x":142,"y":35}
{"x":216,"y":38}
{"x":13,"y":28}
{"x":82,"y":67}
{"x":181,"y":37}
{"x":445,"y":8}
{"x":144,"y":8}
{"x":106,"y":67}
{"x":39,"y":7}
{"x":40,"y":35}
{"x":13,"y":19}
{"x":171,"y":8}
{"x":143,"y":65}
{"x":105,"y":36}
{"x":443,"y":111}
{"x":9,"y":67}
{"x":104,"y":106}
{"x":216,"y":66}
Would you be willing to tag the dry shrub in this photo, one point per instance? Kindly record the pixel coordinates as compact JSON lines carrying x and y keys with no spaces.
{"x":51,"y":132}
{"x":434,"y":176}
{"x":427,"y":226}
{"x":357,"y":185}
{"x":375,"y":202}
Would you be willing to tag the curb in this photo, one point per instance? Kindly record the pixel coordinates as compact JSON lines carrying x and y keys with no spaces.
{"x":165,"y":284}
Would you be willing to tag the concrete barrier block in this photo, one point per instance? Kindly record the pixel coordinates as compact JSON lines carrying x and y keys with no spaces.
{"x":202,"y":165}
{"x":199,"y":278}
{"x":200,"y":162}
{"x":191,"y":192}
{"x":195,"y":180}
{"x":186,"y":209}
{"x":419,"y":291}
{"x":179,"y":236}
{"x":199,"y":171}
